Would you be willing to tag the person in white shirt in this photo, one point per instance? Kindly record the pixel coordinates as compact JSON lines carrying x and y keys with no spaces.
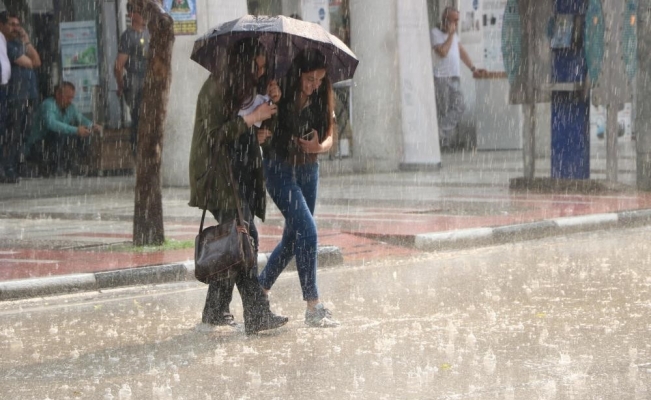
{"x":448,"y":55}
{"x":6,"y":32}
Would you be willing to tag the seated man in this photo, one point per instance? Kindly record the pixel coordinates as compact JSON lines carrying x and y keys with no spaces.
{"x":59,"y":139}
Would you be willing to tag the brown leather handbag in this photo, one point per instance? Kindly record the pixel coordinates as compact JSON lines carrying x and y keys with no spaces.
{"x":223,"y":248}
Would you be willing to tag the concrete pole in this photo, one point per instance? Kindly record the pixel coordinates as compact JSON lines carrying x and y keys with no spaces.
{"x":643,"y":105}
{"x":419,"y":122}
{"x":377,"y":140}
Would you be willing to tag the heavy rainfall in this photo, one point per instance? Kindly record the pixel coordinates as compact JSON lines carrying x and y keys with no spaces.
{"x":479,"y":230}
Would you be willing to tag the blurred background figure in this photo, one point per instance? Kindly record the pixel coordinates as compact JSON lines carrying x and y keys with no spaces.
{"x":22,"y":94}
{"x":131,"y":66}
{"x":449,"y":53}
{"x":59,"y":140}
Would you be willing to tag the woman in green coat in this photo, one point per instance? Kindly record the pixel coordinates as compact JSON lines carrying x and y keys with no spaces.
{"x":222,"y":141}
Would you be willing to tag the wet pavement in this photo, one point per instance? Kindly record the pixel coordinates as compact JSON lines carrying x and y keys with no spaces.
{"x":62,"y":226}
{"x":558,"y":318}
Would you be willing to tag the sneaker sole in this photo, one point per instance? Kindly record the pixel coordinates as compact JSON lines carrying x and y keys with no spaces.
{"x":324,"y":323}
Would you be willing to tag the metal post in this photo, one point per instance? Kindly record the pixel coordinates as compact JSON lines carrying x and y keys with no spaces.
{"x":643,"y":105}
{"x":529,"y":108}
{"x":612,"y":126}
{"x":529,"y":140}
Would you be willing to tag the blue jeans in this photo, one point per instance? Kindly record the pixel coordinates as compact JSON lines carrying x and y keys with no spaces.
{"x":294,"y":189}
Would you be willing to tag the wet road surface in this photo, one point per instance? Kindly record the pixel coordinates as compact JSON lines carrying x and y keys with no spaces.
{"x":559,"y":318}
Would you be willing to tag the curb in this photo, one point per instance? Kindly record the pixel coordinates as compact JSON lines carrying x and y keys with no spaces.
{"x":153,"y":274}
{"x":529,"y":231}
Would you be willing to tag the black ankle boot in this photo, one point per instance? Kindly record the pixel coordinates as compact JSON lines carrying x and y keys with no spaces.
{"x":223,"y":319}
{"x":265,"y":321}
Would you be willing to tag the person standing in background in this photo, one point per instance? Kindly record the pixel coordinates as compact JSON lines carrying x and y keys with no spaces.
{"x":5,"y":73}
{"x":22,"y":93}
{"x":131,"y":66}
{"x":448,"y":55}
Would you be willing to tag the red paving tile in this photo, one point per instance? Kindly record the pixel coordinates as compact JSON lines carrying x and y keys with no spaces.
{"x":21,"y":264}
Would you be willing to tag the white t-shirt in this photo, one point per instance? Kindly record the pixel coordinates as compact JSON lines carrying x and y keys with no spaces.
{"x":450,"y":66}
{"x":4,"y":61}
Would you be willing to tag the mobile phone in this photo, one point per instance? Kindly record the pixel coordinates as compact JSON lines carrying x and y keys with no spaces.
{"x":305,"y":132}
{"x":308,"y":135}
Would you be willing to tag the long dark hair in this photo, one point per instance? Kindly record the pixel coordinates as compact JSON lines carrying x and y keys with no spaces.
{"x":240,"y":76}
{"x":308,"y":61}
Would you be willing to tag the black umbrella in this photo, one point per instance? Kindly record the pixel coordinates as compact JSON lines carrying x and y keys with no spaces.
{"x":283,"y":38}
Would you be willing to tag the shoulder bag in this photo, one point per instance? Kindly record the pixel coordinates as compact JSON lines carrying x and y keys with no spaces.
{"x":224,"y":247}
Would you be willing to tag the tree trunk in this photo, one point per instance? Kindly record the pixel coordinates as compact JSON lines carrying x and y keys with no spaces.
{"x":148,"y":211}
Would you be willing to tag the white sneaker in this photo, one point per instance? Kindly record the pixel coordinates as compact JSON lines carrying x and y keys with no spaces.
{"x":321,"y":317}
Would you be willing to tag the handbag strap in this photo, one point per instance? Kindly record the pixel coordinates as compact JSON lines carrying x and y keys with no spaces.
{"x":203,"y":216}
{"x":238,"y":204}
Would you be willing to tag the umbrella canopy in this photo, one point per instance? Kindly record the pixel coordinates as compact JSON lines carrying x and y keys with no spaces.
{"x":282,"y":37}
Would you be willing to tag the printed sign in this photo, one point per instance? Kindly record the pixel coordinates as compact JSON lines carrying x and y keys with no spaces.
{"x":78,"y":44}
{"x":493,"y":20}
{"x":184,"y":14}
{"x":470,"y":27}
{"x":335,"y":5}
{"x":511,"y":42}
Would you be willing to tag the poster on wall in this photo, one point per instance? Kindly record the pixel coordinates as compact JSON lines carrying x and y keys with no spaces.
{"x":317,"y":11}
{"x":470,"y":21}
{"x":492,"y":20}
{"x":184,"y":14}
{"x":84,"y":79}
{"x":78,"y":44}
{"x":335,"y":5}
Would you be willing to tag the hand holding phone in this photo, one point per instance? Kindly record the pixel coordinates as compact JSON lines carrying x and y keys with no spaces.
{"x":305,"y":132}
{"x":308,"y":135}
{"x":309,"y":142}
